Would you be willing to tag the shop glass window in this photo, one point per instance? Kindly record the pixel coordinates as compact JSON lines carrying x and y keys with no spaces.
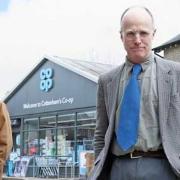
{"x":47,"y":136}
{"x":47,"y":122}
{"x":85,"y":130}
{"x":66,"y":120}
{"x":16,"y":143}
{"x":65,"y":144}
{"x":47,"y":142}
{"x":65,"y":137}
{"x":30,"y":124}
{"x":30,"y":144}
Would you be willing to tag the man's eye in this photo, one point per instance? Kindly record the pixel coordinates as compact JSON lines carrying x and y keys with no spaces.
{"x":144,"y":33}
{"x":130,"y":34}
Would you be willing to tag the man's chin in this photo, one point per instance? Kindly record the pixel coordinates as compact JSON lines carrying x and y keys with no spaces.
{"x":138,"y":59}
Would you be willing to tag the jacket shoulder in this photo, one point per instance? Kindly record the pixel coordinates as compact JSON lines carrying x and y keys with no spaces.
{"x":174,"y":65}
{"x":108,"y":76}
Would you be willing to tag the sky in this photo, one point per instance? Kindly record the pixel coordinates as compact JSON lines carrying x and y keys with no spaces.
{"x":78,"y":29}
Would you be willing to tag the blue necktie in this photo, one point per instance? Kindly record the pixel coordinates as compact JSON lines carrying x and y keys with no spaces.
{"x":127,"y":131}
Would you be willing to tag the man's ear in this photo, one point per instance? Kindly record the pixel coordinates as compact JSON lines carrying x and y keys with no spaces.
{"x":154,"y":32}
{"x":120,"y":32}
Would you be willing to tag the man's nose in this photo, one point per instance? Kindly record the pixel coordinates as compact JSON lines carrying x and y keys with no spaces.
{"x":137,"y":39}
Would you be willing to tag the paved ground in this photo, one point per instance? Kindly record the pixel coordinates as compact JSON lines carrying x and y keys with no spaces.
{"x":32,"y":178}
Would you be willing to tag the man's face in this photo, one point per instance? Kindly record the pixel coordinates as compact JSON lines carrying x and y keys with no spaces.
{"x":137,"y":35}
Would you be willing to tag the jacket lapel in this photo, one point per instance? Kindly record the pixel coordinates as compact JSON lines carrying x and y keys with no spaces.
{"x":112,"y":93}
{"x":164,"y":82}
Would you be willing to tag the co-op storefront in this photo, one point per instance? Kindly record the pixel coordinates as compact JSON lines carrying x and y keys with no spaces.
{"x":53,"y":113}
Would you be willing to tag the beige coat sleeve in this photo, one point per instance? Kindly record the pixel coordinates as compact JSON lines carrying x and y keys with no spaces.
{"x":5,"y":135}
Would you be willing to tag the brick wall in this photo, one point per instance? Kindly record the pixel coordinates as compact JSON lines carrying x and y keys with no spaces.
{"x":173,"y":53}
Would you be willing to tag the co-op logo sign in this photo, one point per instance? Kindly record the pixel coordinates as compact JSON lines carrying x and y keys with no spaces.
{"x":46,"y":81}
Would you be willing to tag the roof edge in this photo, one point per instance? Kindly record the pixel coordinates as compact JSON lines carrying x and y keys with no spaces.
{"x":42,"y":60}
{"x":71,"y":68}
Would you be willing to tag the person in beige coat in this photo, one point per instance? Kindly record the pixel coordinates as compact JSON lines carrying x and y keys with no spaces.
{"x":5,"y":136}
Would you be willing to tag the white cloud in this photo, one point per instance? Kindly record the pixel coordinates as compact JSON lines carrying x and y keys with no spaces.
{"x":81,"y":29}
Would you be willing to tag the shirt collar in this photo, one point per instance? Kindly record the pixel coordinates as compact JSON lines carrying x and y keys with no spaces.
{"x":144,"y":65}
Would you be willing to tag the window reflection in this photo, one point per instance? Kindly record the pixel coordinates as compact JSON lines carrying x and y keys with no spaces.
{"x":66,"y":120}
{"x":66,"y":136}
{"x":61,"y":135}
{"x":30,"y":123}
{"x":30,"y":143}
{"x":47,"y":122}
{"x":47,"y":142}
{"x":47,"y":136}
{"x":85,"y":131}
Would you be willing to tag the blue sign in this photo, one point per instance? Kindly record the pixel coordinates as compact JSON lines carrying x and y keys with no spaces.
{"x":46,"y":82}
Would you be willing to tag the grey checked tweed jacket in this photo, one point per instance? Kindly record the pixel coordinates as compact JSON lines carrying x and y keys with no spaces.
{"x":168,"y":84}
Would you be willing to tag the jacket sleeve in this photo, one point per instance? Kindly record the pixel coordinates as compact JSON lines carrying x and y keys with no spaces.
{"x":101,"y":120}
{"x":5,"y":135}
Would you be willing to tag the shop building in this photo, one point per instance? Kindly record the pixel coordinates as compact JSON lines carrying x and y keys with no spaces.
{"x":170,"y":49}
{"x":53,"y":109}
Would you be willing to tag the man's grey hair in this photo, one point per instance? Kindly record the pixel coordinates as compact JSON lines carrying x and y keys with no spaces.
{"x":146,"y":9}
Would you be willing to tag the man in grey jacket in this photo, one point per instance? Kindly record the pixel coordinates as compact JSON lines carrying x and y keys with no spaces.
{"x":154,"y":152}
